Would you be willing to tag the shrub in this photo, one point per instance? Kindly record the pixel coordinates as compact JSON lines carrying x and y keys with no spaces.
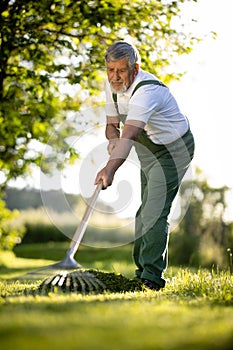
{"x":42,"y":232}
{"x":9,"y":234}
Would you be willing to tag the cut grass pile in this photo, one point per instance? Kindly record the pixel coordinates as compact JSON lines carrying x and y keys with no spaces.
{"x":88,"y":282}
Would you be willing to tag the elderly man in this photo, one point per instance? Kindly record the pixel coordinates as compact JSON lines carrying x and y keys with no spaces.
{"x":160,"y":132}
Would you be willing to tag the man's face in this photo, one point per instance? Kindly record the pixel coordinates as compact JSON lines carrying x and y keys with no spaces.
{"x":120,"y":76}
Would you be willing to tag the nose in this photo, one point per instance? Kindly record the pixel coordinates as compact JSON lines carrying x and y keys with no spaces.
{"x":116,"y":75}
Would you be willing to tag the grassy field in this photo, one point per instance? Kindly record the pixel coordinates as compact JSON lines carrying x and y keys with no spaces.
{"x":194,"y":311}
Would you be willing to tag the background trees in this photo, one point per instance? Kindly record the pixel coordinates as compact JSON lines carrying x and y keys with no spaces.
{"x":204,"y":234}
{"x":45,"y":44}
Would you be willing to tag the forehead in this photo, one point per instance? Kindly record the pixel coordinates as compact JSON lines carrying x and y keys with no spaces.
{"x":122,"y":63}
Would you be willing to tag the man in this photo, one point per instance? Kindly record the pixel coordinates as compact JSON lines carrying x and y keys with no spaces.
{"x":161,"y":135}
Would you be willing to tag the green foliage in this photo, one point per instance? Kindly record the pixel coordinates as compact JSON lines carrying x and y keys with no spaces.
{"x":48,"y":43}
{"x":9,"y":235}
{"x":203,"y":235}
{"x":42,"y":232}
{"x":39,"y":233}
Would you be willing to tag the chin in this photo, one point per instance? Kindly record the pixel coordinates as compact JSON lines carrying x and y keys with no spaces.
{"x":118,"y":91}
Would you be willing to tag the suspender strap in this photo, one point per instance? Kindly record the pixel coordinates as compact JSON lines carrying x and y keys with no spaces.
{"x":141,"y":83}
{"x":147,"y":82}
{"x":114,"y":96}
{"x":142,"y":138}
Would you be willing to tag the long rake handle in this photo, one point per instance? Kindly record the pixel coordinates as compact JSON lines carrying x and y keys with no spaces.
{"x":78,"y":235}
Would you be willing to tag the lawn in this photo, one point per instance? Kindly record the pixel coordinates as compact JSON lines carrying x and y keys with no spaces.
{"x":194,"y":311}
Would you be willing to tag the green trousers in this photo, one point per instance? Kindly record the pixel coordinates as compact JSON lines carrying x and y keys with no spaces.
{"x":162,"y":169}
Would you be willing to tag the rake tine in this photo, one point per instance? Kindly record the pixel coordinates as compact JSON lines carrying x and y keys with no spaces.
{"x":95,"y":281}
{"x":48,"y":280}
{"x":76,"y":282}
{"x":88,"y":283}
{"x":43,"y":289}
{"x":94,"y":284}
{"x":82,"y":284}
{"x":56,"y":280}
{"x":62,"y":279}
{"x":100,"y":283}
{"x":45,"y":285}
{"x":49,"y":284}
{"x":68,"y":284}
{"x":75,"y":285}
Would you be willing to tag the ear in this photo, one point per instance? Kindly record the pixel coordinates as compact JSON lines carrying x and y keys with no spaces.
{"x":136,"y":69}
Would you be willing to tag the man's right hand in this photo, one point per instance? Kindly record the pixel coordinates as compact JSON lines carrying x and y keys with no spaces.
{"x":105,"y":176}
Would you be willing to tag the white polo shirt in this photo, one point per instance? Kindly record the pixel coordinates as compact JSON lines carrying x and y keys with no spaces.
{"x":152,"y":104}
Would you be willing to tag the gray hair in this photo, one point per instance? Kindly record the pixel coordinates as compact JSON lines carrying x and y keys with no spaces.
{"x":122,"y":49}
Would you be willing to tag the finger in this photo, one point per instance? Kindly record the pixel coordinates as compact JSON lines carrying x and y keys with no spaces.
{"x":98,"y":179}
{"x":101,"y":179}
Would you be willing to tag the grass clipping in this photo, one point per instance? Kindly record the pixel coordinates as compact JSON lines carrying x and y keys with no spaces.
{"x":118,"y":283}
{"x":89,"y":282}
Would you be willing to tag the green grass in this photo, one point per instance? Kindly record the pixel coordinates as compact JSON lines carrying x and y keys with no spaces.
{"x":194,"y":311}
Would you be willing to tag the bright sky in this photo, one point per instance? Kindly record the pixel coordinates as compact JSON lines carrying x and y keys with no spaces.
{"x":204,"y":94}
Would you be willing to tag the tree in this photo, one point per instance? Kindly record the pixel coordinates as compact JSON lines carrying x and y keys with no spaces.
{"x":204,"y":235}
{"x":49,"y":42}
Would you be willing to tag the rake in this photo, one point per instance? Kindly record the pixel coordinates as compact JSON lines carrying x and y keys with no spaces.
{"x":77,"y":280}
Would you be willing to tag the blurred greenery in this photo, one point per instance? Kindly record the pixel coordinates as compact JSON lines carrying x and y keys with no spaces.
{"x":10,"y":235}
{"x":201,"y":237}
{"x":204,"y":233}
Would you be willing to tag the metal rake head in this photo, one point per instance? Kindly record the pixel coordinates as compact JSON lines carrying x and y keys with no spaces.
{"x":72,"y":282}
